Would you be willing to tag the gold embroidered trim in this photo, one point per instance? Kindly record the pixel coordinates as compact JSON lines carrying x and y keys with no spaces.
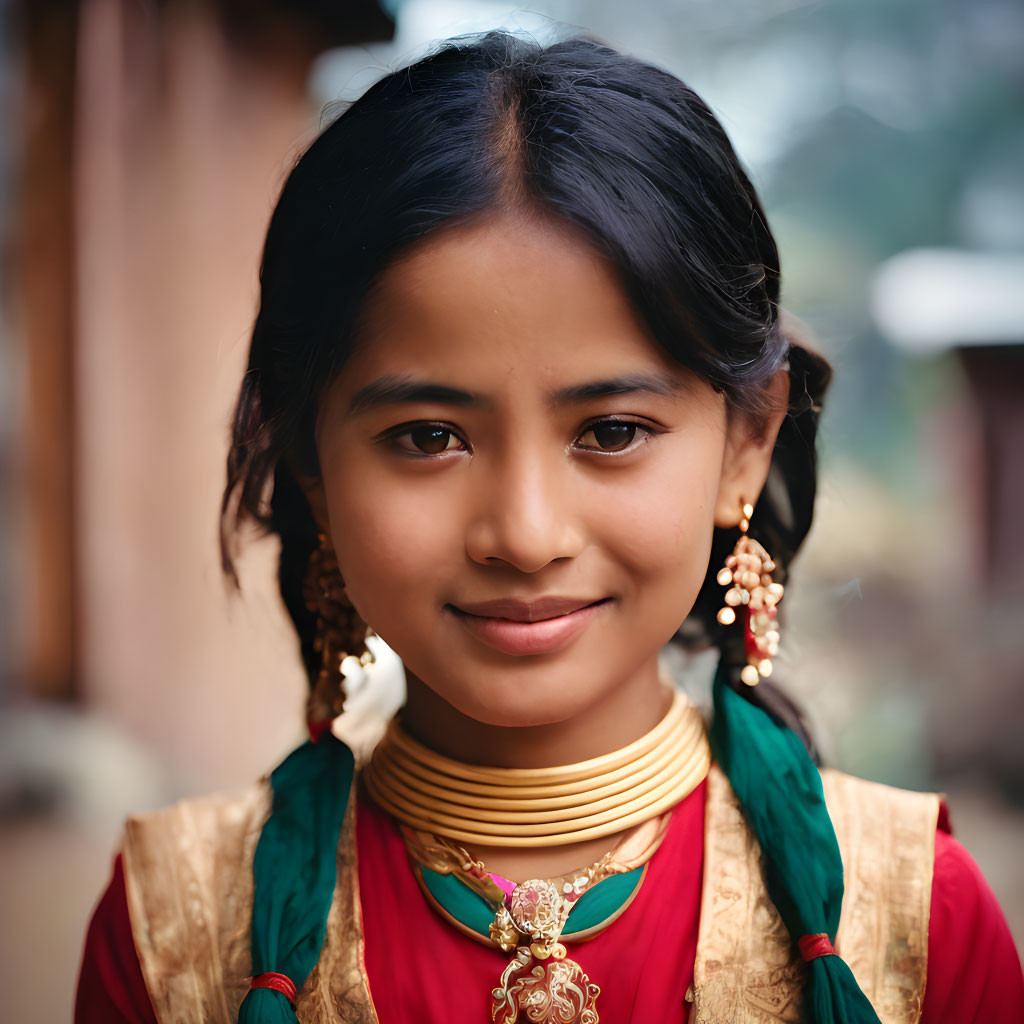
{"x":188,"y":879}
{"x":338,"y":990}
{"x":745,"y":972}
{"x":747,"y":969}
{"x":887,"y":839}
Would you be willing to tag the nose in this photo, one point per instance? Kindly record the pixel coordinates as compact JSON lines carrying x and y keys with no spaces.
{"x":525,"y":515}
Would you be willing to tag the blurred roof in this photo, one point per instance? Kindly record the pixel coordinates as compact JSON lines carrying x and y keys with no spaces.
{"x":926,"y":300}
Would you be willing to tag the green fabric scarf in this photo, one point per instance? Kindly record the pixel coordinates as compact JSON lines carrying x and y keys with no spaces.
{"x":294,"y":870}
{"x":779,"y":787}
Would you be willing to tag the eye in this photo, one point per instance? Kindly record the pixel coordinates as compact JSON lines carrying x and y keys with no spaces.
{"x":612,"y":436}
{"x":428,"y":439}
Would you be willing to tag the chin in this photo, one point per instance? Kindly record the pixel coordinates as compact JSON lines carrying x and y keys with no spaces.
{"x":524,"y":704}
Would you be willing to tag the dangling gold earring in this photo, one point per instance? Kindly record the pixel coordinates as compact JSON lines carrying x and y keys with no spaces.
{"x":340,"y":632}
{"x":748,"y":569}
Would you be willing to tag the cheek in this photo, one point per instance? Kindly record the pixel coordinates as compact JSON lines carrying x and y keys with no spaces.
{"x":668,"y":514}
{"x":390,"y":543}
{"x":664,"y":535}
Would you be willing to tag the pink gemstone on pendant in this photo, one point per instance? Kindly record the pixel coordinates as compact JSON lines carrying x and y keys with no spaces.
{"x":536,"y":907}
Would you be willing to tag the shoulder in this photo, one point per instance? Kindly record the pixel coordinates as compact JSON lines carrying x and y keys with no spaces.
{"x":188,"y":884}
{"x":181,"y":869}
{"x":886,"y":838}
{"x":199,"y":847}
{"x":858,"y":805}
{"x":219,"y":816}
{"x":111,"y":987}
{"x":958,"y":881}
{"x":974,"y":972}
{"x":907,"y":874}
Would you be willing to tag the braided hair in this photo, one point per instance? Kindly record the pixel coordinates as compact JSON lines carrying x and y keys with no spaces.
{"x":633,"y":157}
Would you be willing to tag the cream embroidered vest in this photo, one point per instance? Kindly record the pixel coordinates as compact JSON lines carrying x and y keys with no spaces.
{"x":188,"y":876}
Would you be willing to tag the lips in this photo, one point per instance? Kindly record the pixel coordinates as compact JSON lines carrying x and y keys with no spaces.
{"x":526,"y":611}
{"x":528,"y":627}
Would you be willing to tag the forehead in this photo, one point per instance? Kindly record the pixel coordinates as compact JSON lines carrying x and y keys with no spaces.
{"x":508,"y":299}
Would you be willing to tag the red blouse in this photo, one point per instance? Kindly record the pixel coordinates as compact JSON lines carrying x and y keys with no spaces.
{"x":974,"y":973}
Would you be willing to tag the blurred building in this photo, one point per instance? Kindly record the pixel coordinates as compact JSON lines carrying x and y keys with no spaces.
{"x":145,"y":144}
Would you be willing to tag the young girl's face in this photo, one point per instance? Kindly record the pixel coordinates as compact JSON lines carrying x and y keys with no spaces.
{"x":521,"y":486}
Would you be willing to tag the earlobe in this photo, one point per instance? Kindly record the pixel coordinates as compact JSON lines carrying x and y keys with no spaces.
{"x":748,"y":453}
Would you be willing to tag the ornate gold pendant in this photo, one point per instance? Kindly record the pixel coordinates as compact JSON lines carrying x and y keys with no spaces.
{"x":546,"y":990}
{"x":540,"y":982}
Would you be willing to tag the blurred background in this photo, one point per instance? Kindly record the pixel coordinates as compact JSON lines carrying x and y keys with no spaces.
{"x":142,"y":147}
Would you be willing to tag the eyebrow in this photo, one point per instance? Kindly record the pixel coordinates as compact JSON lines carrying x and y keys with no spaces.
{"x":392,"y":389}
{"x":662,"y":384}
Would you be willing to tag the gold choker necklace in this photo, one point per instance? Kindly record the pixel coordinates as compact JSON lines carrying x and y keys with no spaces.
{"x":534,"y":807}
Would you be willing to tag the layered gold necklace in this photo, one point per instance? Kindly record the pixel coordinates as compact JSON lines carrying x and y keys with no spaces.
{"x":440,"y":800}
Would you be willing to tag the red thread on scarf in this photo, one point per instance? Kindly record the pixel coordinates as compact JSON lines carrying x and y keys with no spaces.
{"x":278,"y":982}
{"x":813,"y":946}
{"x":318,"y":729}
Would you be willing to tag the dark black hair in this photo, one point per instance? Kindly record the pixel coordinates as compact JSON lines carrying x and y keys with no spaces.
{"x":576,"y":131}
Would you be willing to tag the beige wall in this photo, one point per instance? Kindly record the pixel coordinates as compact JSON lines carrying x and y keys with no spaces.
{"x":181,"y":144}
{"x":181,"y":147}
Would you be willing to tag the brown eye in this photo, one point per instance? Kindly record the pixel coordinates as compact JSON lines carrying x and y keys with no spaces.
{"x":610,"y":436}
{"x":428,"y":440}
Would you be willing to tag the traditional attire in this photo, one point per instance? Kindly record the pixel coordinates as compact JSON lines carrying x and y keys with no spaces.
{"x":699,"y":941}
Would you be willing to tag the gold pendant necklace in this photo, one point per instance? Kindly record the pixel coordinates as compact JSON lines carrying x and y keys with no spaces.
{"x":441,"y":802}
{"x":541,"y":982}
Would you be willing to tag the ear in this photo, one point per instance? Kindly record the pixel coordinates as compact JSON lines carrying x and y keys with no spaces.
{"x":748,"y":452}
{"x":313,"y":488}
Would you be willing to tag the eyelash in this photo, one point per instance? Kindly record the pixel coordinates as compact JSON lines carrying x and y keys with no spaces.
{"x":644,"y":434}
{"x":405,"y":429}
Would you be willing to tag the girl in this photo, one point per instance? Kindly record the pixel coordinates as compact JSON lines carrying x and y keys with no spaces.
{"x":519,"y":400}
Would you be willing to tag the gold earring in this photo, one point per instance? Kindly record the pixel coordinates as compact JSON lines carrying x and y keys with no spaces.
{"x":747,"y":573}
{"x":340,"y":632}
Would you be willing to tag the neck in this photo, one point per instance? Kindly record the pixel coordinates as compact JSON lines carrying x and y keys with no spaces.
{"x":619,"y":717}
{"x":612,"y":721}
